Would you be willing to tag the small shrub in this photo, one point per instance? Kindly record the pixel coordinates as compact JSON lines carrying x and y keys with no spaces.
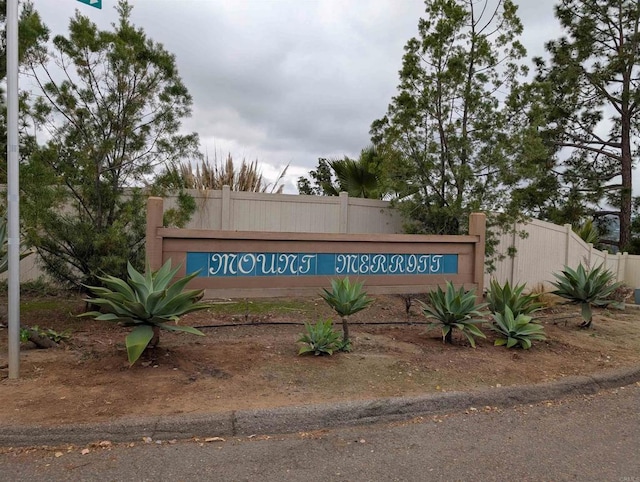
{"x":622,"y":294}
{"x":53,"y":335}
{"x":501,"y":297}
{"x":516,"y":330}
{"x":40,"y":286}
{"x":587,"y":288}
{"x":146,"y":302}
{"x":43,"y":338}
{"x":408,"y":299}
{"x":320,"y":339}
{"x":455,"y":310}
{"x":346,"y":299}
{"x":543,"y":295}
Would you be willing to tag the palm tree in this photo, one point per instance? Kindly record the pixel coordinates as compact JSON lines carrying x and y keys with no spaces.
{"x":355,"y":179}
{"x":359,"y":178}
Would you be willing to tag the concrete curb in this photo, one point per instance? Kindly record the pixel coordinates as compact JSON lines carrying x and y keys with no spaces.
{"x":309,"y":417}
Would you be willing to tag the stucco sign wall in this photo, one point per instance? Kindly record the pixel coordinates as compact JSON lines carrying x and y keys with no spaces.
{"x":234,"y":264}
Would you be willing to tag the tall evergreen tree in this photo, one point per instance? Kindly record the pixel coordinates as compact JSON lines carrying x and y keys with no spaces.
{"x":112,"y":109}
{"x":321,"y":181}
{"x":32,"y":38}
{"x":447,"y":135}
{"x":586,"y":102}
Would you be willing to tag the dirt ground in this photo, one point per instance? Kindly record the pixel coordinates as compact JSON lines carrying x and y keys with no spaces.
{"x":249,"y":359}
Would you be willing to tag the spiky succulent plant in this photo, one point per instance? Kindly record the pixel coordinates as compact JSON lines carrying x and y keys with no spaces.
{"x":455,"y":309}
{"x":587,"y":288}
{"x":146,"y":302}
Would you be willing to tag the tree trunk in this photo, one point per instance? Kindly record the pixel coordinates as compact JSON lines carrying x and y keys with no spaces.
{"x":156,"y":337}
{"x":345,"y":329}
{"x":626,"y":196}
{"x":586,"y":308}
{"x":448,"y":338}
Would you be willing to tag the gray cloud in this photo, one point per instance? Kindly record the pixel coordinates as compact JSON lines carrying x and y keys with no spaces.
{"x":285,"y":81}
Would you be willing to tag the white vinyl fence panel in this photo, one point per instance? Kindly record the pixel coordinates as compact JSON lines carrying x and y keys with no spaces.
{"x":249,"y":211}
{"x":548,"y":248}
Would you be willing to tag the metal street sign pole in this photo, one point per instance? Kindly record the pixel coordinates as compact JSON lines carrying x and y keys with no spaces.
{"x":13,"y":191}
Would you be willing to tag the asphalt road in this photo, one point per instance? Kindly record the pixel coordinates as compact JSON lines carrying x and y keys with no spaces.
{"x":589,"y":438}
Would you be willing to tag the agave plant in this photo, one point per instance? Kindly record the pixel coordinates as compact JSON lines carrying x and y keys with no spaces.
{"x":320,"y":339}
{"x":516,"y":330}
{"x":588,"y":232}
{"x":587,"y":288}
{"x":346,"y":298}
{"x":147,"y":303}
{"x":501,"y":297}
{"x":455,"y":309}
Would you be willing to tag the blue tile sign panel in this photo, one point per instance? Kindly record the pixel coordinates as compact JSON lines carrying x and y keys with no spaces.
{"x":319,"y":264}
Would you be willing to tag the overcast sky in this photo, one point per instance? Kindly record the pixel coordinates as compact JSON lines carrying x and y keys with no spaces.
{"x":285,"y":81}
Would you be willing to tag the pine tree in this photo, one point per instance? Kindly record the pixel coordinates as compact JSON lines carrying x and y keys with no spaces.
{"x":587,"y":95}
{"x":32,"y":37}
{"x":447,"y":134}
{"x":113,"y":122}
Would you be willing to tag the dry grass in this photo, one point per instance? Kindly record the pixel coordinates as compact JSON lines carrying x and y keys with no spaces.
{"x":214,"y":175}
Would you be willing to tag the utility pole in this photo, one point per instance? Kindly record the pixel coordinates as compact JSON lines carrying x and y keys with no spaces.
{"x":13,"y":191}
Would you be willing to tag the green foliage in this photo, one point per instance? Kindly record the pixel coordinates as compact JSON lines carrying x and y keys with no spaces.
{"x":501,"y":297}
{"x":53,"y":335}
{"x":4,"y":246}
{"x":516,"y":330}
{"x":447,"y":140}
{"x":146,"y":302}
{"x":320,"y":181}
{"x":41,"y":287}
{"x":39,"y":336}
{"x":454,"y":309}
{"x":588,"y":232}
{"x":583,"y":107}
{"x":346,"y":298}
{"x":586,"y":288}
{"x":114,"y":115}
{"x":364,"y":177}
{"x":32,"y":39}
{"x":24,"y":335}
{"x":320,"y":339}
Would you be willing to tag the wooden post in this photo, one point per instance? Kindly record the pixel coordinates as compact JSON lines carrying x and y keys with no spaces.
{"x":514,"y":258}
{"x":478,"y":227}
{"x":343,"y":222}
{"x":567,"y":244}
{"x":153,"y":242}
{"x":225,"y":215}
{"x":622,"y":266}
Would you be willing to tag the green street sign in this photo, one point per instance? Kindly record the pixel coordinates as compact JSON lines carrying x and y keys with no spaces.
{"x":93,"y":3}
